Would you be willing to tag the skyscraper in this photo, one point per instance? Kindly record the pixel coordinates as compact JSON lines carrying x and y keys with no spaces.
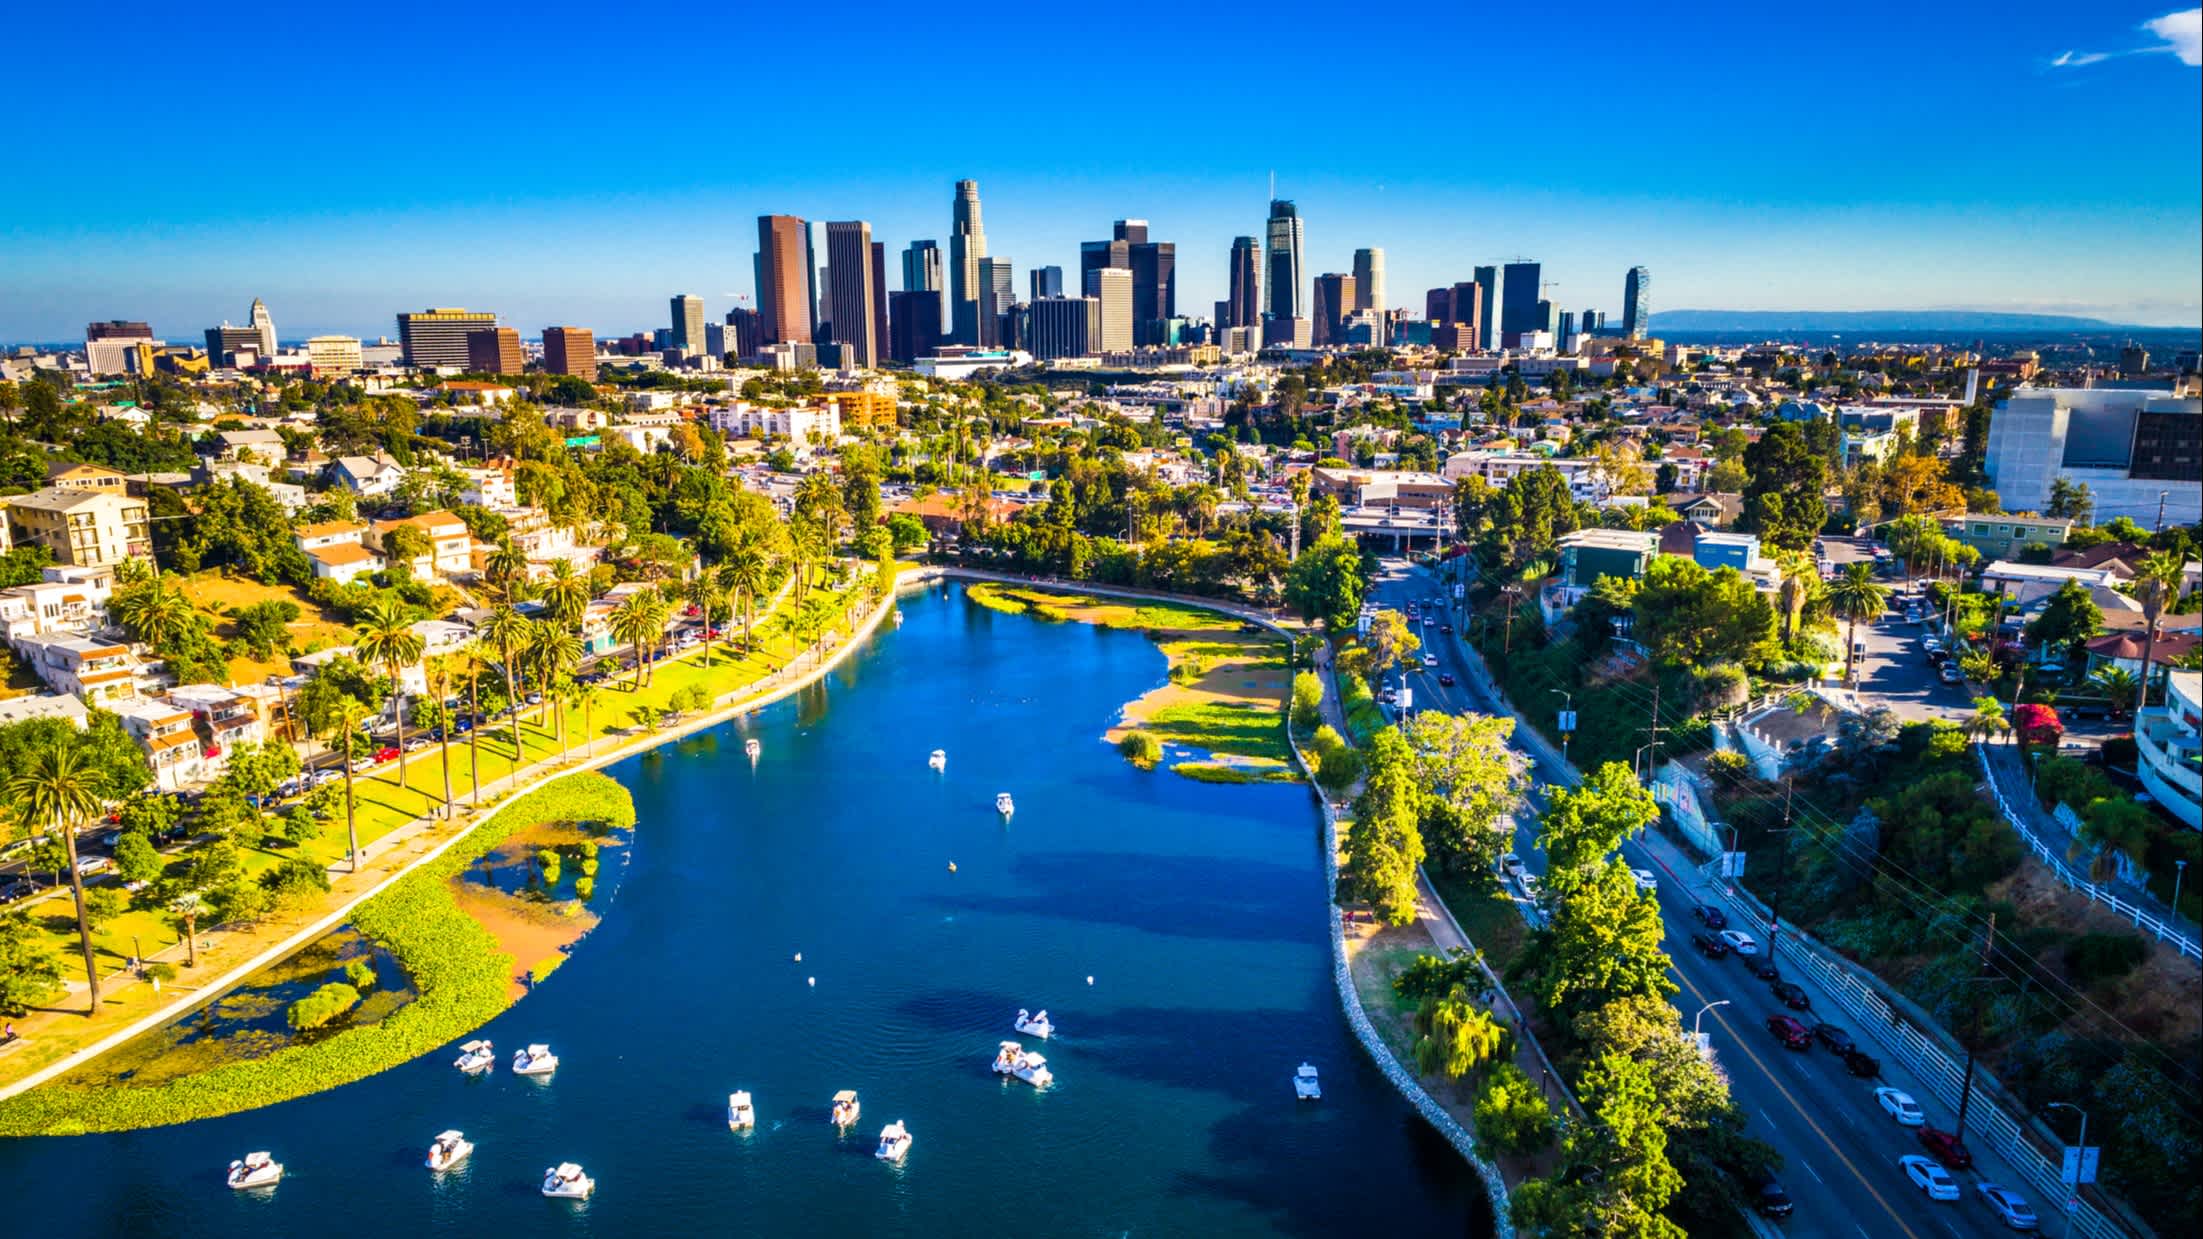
{"x":1046,"y":282}
{"x":914,"y":324}
{"x":1488,"y":287}
{"x":570,"y":350}
{"x":261,"y":323}
{"x":1567,"y":327}
{"x":1130,"y":231}
{"x":688,"y":323}
{"x":967,"y":245}
{"x":1521,"y":285}
{"x":438,"y":336}
{"x":922,"y":267}
{"x":1369,"y":280}
{"x":1112,"y":286}
{"x":1284,"y":243}
{"x":1588,"y":322}
{"x":1154,"y":283}
{"x":1095,"y":255}
{"x":1246,"y":284}
{"x":1461,"y":305}
{"x":1333,"y":302}
{"x":1064,"y":327}
{"x":1637,"y":303}
{"x":783,"y":279}
{"x":997,"y":293}
{"x":879,"y":301}
{"x":849,"y":291}
{"x":495,"y":350}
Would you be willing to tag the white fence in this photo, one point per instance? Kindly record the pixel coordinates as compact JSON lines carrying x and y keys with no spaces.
{"x":2095,"y":893}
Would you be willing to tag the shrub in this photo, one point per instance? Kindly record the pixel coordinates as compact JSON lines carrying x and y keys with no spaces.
{"x":1511,"y":1114}
{"x":1728,"y":764}
{"x":2104,"y":957}
{"x":101,"y":905}
{"x":1337,"y":764}
{"x":584,"y":888}
{"x":1141,"y":749}
{"x":321,"y":1006}
{"x":295,"y":879}
{"x":1307,"y":700}
{"x":161,"y":970}
{"x":359,"y":974}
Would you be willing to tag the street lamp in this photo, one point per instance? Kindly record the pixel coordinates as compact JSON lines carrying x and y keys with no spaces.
{"x":2179,"y":871}
{"x":1720,"y":1002}
{"x":1567,"y":723}
{"x":2074,"y":1196}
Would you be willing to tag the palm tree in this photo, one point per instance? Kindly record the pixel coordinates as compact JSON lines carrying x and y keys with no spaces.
{"x":803,"y":556}
{"x":386,"y":637}
{"x":1856,"y":596}
{"x":586,"y":696}
{"x":509,"y":630}
{"x":187,"y":908}
{"x":508,"y":572}
{"x":565,"y":595}
{"x":1988,"y":719}
{"x":709,"y":597}
{"x":2116,"y":683}
{"x":748,"y":571}
{"x":59,"y":790}
{"x":2156,"y":582}
{"x":156,"y":612}
{"x":553,"y":653}
{"x":345,"y":721}
{"x":471,"y":663}
{"x":438,"y":671}
{"x":634,"y":622}
{"x":561,"y":690}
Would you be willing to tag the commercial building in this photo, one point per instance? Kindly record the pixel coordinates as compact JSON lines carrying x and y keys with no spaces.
{"x":83,"y":528}
{"x":849,"y":289}
{"x":688,"y":323}
{"x":1489,"y":285}
{"x":1369,"y":280}
{"x":1045,"y":282}
{"x":922,"y":267}
{"x":1111,"y":288}
{"x":116,"y":346}
{"x":1588,"y":554}
{"x":811,"y":426}
{"x":2140,"y":452}
{"x":914,"y":323}
{"x":495,"y":350}
{"x":2004,"y":536}
{"x":783,"y":280}
{"x":570,"y":350}
{"x":1283,"y":245}
{"x":1245,"y":301}
{"x":2169,"y":740}
{"x":229,"y":346}
{"x":1636,"y":303}
{"x":1064,"y":327}
{"x":967,"y":246}
{"x":1519,"y":305}
{"x":438,"y":336}
{"x":1154,"y":284}
{"x":1334,"y":300}
{"x":997,"y":293}
{"x":334,"y":355}
{"x":863,"y":407}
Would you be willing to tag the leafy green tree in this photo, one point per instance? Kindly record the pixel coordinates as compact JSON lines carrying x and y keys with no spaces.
{"x":2070,"y":618}
{"x":1384,"y":845}
{"x":1689,"y":616}
{"x":1338,"y":764}
{"x":1628,"y":1144}
{"x":1472,"y":784}
{"x":136,"y":858}
{"x":1784,"y":500}
{"x":264,"y":627}
{"x":1583,"y":826}
{"x":1307,"y":700}
{"x":101,"y":905}
{"x":30,"y":971}
{"x":1511,"y":1113}
{"x":60,"y":790}
{"x":1456,"y":1035}
{"x":1391,"y":641}
{"x":1327,"y":583}
{"x":1603,"y":943}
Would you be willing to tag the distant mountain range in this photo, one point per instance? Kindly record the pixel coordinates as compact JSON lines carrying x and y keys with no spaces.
{"x":1777,"y":321}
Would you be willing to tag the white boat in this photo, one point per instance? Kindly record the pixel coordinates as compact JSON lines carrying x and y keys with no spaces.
{"x":565,"y":1181}
{"x":536,"y":1060}
{"x":1305,"y":1086}
{"x":1015,"y":1060}
{"x":845,"y":1108}
{"x":1035,"y":1025}
{"x":476,"y":1056}
{"x":939,"y":760}
{"x":753,"y":748}
{"x":894,"y":1142}
{"x":1003,"y":804}
{"x":254,"y":1170}
{"x":740,"y":1112}
{"x":448,"y":1150}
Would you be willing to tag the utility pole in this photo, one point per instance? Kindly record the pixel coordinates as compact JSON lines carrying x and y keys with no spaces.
{"x":1507,"y":635}
{"x":1973,"y":1029}
{"x":1782,"y":869}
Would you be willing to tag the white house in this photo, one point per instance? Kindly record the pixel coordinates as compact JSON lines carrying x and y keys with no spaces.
{"x":368,"y":475}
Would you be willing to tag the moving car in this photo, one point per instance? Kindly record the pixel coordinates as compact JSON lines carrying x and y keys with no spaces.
{"x":1947,"y":1146}
{"x":1899,"y":1105}
{"x":2011,"y":1207}
{"x":1767,"y":1195}
{"x":1710,"y":916}
{"x":1792,"y":995}
{"x":1711,"y":948}
{"x":1929,"y":1177}
{"x":1764,"y":969}
{"x":1445,"y":679}
{"x":1647,"y":882}
{"x":1862,"y":1064}
{"x":1740,"y":942}
{"x":1790,"y":1032}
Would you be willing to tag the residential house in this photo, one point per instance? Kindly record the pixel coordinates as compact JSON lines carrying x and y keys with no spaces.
{"x":450,"y":546}
{"x":2025,"y":584}
{"x":335,"y":550}
{"x":265,"y":446}
{"x":2005,"y":536}
{"x":412,"y":680}
{"x":170,"y":742}
{"x":368,"y":476}
{"x":223,"y":718}
{"x":473,"y":393}
{"x":66,"y":475}
{"x":2123,"y":651}
{"x":81,"y":527}
{"x":1588,"y":554}
{"x":50,"y":607}
{"x":44,"y":705}
{"x":490,"y":486}
{"x":2169,"y":743}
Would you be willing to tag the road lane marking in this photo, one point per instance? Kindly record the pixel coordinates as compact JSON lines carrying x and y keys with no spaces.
{"x":1809,"y":1170}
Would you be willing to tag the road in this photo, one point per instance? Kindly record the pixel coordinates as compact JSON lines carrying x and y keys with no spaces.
{"x":1839,"y":1150}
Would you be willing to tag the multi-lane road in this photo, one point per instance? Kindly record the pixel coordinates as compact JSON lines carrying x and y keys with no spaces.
{"x":1839,"y":1149}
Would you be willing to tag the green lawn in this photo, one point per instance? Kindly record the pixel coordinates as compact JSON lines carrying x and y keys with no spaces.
{"x":1487,"y":915}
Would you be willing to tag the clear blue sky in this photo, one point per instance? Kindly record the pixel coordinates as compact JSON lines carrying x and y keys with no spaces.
{"x":346,"y":162}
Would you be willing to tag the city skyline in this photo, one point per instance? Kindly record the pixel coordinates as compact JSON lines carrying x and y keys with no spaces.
{"x":1799,"y":211}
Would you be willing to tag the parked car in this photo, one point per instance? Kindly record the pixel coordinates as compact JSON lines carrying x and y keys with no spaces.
{"x":388,"y":752}
{"x":1836,"y":1039}
{"x":1711,"y":948}
{"x":1764,"y":969}
{"x":86,"y":866}
{"x":1937,"y":657}
{"x":1740,"y":942}
{"x":1862,"y":1064}
{"x":363,"y":765}
{"x":20,"y":888}
{"x":1950,"y":674}
{"x":1790,"y":1032}
{"x":1899,"y":1106}
{"x":2010,"y":1207}
{"x":1929,"y":1177}
{"x":1510,"y":863}
{"x":1647,"y":882}
{"x":1791,"y":995}
{"x":111,"y":838}
{"x":1947,"y":1146}
{"x":1710,"y":916}
{"x":1767,"y":1194}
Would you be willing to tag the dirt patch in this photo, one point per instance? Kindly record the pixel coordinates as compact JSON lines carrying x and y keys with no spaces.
{"x":535,"y":934}
{"x":217,"y":595}
{"x":2161,"y":1000}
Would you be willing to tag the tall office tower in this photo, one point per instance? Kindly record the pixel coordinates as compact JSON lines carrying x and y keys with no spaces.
{"x":997,"y":293}
{"x":1063,"y":327}
{"x":1333,"y":302}
{"x":1112,"y":286}
{"x":1046,"y":282}
{"x":783,"y":279}
{"x":1461,"y":305}
{"x":1246,"y":284}
{"x":1589,"y":320}
{"x":746,"y":332}
{"x":1518,"y":298}
{"x":688,"y":323}
{"x":1223,"y":314}
{"x":913,"y":324}
{"x":967,"y":245}
{"x":1130,"y":231}
{"x":225,"y":341}
{"x":921,"y":267}
{"x":1369,"y":280}
{"x":261,"y":322}
{"x":1489,"y":285}
{"x":849,"y":291}
{"x":1637,"y":303}
{"x":879,"y":301}
{"x":1096,"y":255}
{"x":570,"y":350}
{"x":1438,"y":306}
{"x":1154,"y":283}
{"x":495,"y":350}
{"x":1283,"y":244}
{"x":1567,"y":327}
{"x":438,"y":337}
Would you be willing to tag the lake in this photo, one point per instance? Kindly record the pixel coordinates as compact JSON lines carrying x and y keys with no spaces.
{"x":1197,"y":910}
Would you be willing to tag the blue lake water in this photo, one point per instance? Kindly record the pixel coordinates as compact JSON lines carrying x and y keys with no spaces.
{"x":1196,"y":909}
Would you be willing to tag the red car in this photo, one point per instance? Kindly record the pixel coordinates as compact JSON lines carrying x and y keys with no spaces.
{"x":387,"y":753}
{"x":1790,"y":1032}
{"x":1947,"y":1147}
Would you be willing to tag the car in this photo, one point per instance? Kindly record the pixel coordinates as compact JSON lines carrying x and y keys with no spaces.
{"x":1445,"y":679}
{"x":1929,"y":1177}
{"x":1791,"y":995}
{"x":1862,"y":1064}
{"x":1950,"y":674}
{"x":363,"y":765}
{"x":111,"y":838}
{"x":1836,"y":1039}
{"x":1389,"y":695}
{"x":388,"y":752}
{"x":1710,"y":916}
{"x":1740,"y":942}
{"x":19,"y":889}
{"x":323,"y":775}
{"x":1767,"y":1195}
{"x":1899,"y":1105}
{"x":1446,"y":628}
{"x":414,"y":744}
{"x":2010,"y":1207}
{"x":1937,"y":658}
{"x":1947,"y":1146}
{"x":86,"y":866}
{"x":1763,"y":969}
{"x":1932,"y":644}
{"x":1647,"y":883}
{"x":1510,"y":863}
{"x":1790,"y":1032}
{"x":1711,"y":948}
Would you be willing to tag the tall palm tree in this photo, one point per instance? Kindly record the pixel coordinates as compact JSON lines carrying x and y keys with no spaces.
{"x":344,"y":723}
{"x":587,"y":696}
{"x":470,"y":665}
{"x":634,"y":623}
{"x":560,"y":690}
{"x":188,"y":907}
{"x":565,"y":594}
{"x":508,"y":572}
{"x":1988,"y":719}
{"x":709,"y":597}
{"x":385,"y":637}
{"x":439,"y":671}
{"x":60,"y":791}
{"x":747,"y":571}
{"x":1856,"y":596}
{"x":508,"y":630}
{"x":155,"y":612}
{"x":553,"y":653}
{"x":2156,"y":583}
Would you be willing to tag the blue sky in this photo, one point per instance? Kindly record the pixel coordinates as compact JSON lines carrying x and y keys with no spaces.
{"x":348,"y":162}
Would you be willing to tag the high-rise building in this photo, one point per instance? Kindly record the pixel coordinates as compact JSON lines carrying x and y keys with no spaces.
{"x":1095,"y":255}
{"x":495,"y":350}
{"x":570,"y":350}
{"x":1489,"y":285}
{"x":1154,"y":282}
{"x":1369,"y":280}
{"x":921,"y":267}
{"x":1588,"y":322}
{"x":745,"y":332}
{"x":1063,"y":327}
{"x":997,"y":293}
{"x":784,"y":279}
{"x":913,"y":324}
{"x":1637,"y":303}
{"x":334,"y":355}
{"x":967,"y":245}
{"x":849,"y":291}
{"x":1334,"y":300}
{"x":1112,"y":287}
{"x":1130,"y":231}
{"x":225,"y":342}
{"x":1567,"y":327}
{"x":879,"y":302}
{"x":688,"y":323}
{"x":1521,"y":287}
{"x":1046,"y":282}
{"x":438,"y":336}
{"x":1283,"y":244}
{"x":260,"y":321}
{"x":1246,"y":284}
{"x":1461,"y":305}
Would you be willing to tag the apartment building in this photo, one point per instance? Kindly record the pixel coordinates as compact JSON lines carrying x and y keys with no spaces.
{"x":98,"y":673}
{"x":451,"y":547}
{"x":170,"y":743}
{"x":2169,"y":740}
{"x":222,"y":718}
{"x":83,"y":528}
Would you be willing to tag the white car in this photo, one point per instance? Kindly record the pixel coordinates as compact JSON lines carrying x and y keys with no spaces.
{"x":1899,"y":1105}
{"x":1740,"y":942}
{"x":1647,"y":883}
{"x":1928,"y":1175}
{"x":2011,"y":1207}
{"x":1510,"y":863}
